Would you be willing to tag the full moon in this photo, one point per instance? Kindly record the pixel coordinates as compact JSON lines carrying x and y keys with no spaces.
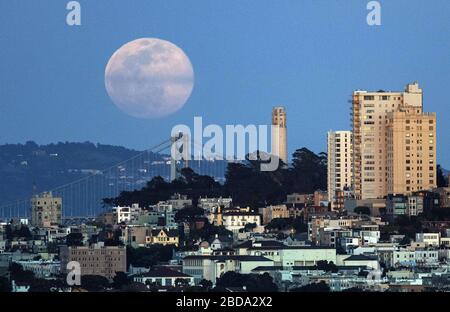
{"x":149,"y":78}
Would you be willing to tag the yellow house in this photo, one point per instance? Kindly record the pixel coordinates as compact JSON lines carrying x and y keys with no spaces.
{"x":164,"y":237}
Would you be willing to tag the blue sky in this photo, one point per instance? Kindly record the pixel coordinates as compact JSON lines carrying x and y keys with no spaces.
{"x":248,"y":56}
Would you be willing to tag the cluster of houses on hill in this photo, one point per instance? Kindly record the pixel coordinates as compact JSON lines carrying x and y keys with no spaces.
{"x":343,"y":250}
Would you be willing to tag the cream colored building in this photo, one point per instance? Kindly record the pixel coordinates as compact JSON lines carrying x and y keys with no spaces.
{"x":411,"y":154}
{"x":46,"y":210}
{"x":382,"y":121}
{"x":274,"y":212}
{"x":339,"y":163}
{"x":279,"y":133}
{"x":96,"y":259}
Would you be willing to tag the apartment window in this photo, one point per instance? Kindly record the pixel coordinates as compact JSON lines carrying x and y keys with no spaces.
{"x":369,"y":97}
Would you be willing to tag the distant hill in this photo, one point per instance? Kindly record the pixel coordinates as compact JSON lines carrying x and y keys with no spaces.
{"x":23,"y":166}
{"x":31,"y":168}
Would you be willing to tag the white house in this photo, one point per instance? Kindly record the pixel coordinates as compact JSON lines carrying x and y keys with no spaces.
{"x":126,"y":214}
{"x":369,"y":237}
{"x":432,"y":239}
{"x":362,"y":260}
{"x":426,"y":257}
{"x":211,"y":267}
{"x":234,"y":221}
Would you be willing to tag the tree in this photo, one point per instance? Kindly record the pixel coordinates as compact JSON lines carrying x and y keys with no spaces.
{"x":327,"y":266}
{"x":279,"y":224}
{"x":120,"y":280}
{"x":181,"y":282}
{"x":309,"y":171}
{"x":188,"y":183}
{"x":74,"y":239}
{"x":253,"y":283}
{"x":249,"y":227}
{"x":189,"y":214}
{"x":245,"y":183}
{"x":148,"y":257}
{"x":249,"y":186}
{"x":440,"y":178}
{"x":362,"y":210}
{"x":207,"y":232}
{"x":315,"y":287}
{"x":206,"y":284}
{"x":283,"y":224}
{"x":5,"y":285}
{"x":23,"y":232}
{"x":18,"y":274}
{"x":134,"y":287}
{"x":261,"y":283}
{"x":94,"y":282}
{"x":353,"y":290}
{"x":43,"y":285}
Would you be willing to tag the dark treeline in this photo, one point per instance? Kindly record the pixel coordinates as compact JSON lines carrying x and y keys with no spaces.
{"x":245,"y":183}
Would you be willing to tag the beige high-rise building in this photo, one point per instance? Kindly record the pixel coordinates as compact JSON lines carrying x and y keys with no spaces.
{"x":46,"y":210}
{"x":340,"y":159}
{"x":411,"y":154}
{"x":385,"y":125}
{"x":279,"y":133}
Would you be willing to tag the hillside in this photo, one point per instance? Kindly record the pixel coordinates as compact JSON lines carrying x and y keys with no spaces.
{"x":48,"y":166}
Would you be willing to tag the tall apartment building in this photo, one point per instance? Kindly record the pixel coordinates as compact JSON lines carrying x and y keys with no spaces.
{"x":279,"y":133}
{"x":96,"y":259}
{"x":394,"y":143}
{"x":46,"y":210}
{"x":340,"y":159}
{"x":411,"y":153}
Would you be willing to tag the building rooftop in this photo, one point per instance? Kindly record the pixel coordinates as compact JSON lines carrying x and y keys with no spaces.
{"x":360,"y":258}
{"x":306,"y":268}
{"x":230,"y":257}
{"x":162,"y":272}
{"x":264,"y":243}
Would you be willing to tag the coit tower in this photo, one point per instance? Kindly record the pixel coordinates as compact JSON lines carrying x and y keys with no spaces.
{"x":279,"y":133}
